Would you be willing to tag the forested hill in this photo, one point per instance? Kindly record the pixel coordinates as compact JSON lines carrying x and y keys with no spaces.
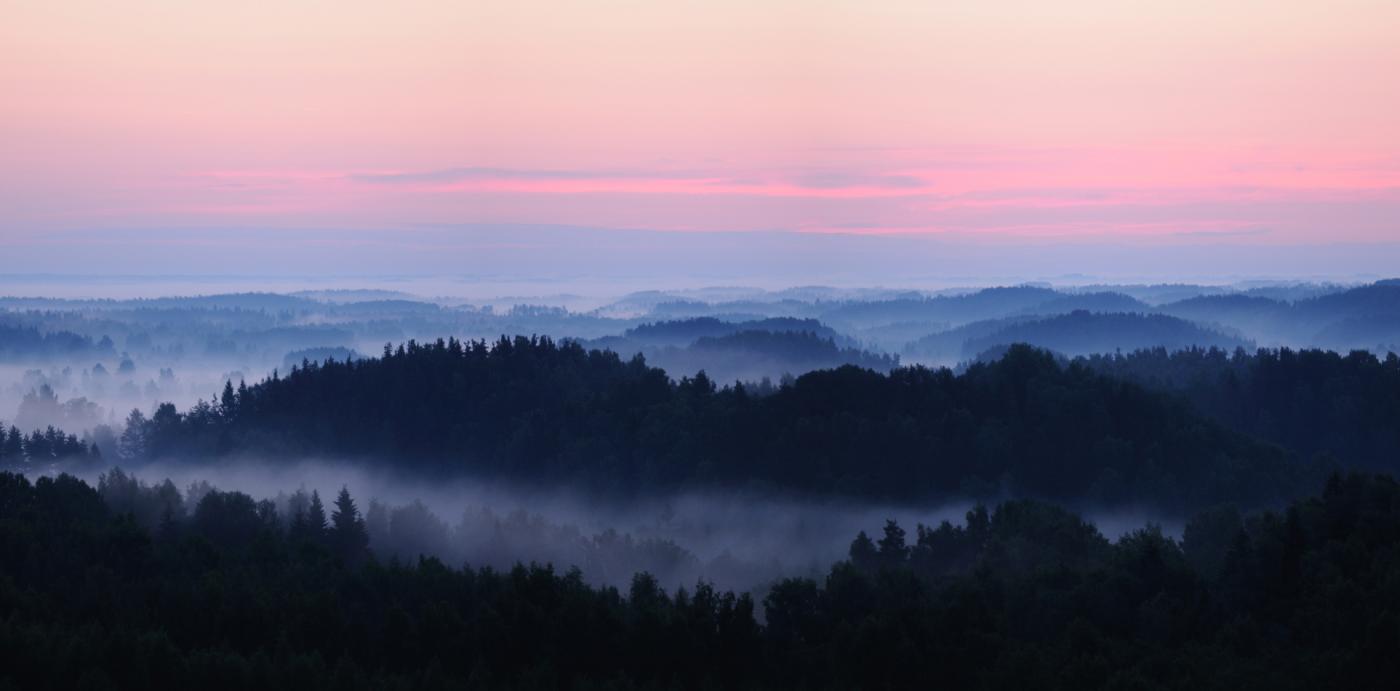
{"x":536,"y":410}
{"x":1075,"y":333}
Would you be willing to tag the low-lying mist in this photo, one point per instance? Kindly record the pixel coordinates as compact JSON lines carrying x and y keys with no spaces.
{"x":734,"y":540}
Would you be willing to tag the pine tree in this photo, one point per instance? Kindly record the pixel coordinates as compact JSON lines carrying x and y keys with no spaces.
{"x":316,"y":517}
{"x":348,"y":534}
{"x":14,"y":446}
{"x":297,"y":530}
{"x":893,"y":550}
{"x":228,"y":401}
{"x":132,"y":445}
{"x":863,"y":553}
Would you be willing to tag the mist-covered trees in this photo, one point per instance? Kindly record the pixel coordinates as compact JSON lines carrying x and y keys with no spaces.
{"x":27,"y":343}
{"x":1030,"y":596}
{"x":44,"y":450}
{"x":1021,"y":595}
{"x":533,"y":410}
{"x":230,"y":599}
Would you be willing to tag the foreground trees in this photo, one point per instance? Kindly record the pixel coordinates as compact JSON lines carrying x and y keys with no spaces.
{"x":1023,"y":595}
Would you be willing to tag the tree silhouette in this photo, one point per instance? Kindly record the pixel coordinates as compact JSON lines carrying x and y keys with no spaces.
{"x":309,"y":524}
{"x":348,"y":535}
{"x":893,"y":551}
{"x":863,"y":553}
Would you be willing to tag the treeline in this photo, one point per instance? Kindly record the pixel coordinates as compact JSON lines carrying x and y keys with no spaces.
{"x":1081,"y":332}
{"x":19,"y":342}
{"x":1025,"y":595}
{"x":41,"y":450}
{"x":1031,"y":596}
{"x":1316,"y":402}
{"x":481,"y":535}
{"x":802,"y":350}
{"x":535,"y":410}
{"x":755,"y":356}
{"x":1075,"y":333}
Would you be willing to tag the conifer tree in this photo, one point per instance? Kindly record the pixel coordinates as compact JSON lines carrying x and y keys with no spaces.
{"x":863,"y":553}
{"x":348,"y":534}
{"x":316,"y":517}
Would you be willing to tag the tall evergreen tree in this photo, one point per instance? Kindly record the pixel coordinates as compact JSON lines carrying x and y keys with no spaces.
{"x":863,"y":553}
{"x":228,"y":401}
{"x":132,"y":445}
{"x":316,"y":517}
{"x":893,"y":550}
{"x":348,"y":535}
{"x":14,"y":445}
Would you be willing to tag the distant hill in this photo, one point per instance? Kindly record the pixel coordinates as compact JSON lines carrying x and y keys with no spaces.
{"x":1379,"y":300}
{"x":1262,"y":318}
{"x":26,"y":343}
{"x":684,"y":332}
{"x":1160,"y":293}
{"x":1084,"y":333}
{"x":754,"y":355}
{"x":894,"y":337}
{"x":1365,"y":317}
{"x":242,"y":301}
{"x":1225,"y":307}
{"x":747,"y":350}
{"x":1293,"y":292}
{"x":983,"y":304}
{"x":387,"y":307}
{"x":950,"y":346}
{"x":353,"y":295}
{"x":1092,"y":302}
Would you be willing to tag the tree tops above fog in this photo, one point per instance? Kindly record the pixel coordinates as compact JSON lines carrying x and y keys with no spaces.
{"x":533,"y":410}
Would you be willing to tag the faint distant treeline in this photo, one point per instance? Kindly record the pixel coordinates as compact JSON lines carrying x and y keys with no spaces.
{"x":19,"y":342}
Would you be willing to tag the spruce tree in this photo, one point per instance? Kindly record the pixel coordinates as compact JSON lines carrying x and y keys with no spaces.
{"x":316,"y":517}
{"x":348,"y":534}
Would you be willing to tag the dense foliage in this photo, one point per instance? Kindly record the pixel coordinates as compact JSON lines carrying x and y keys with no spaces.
{"x":1025,"y":595}
{"x":531,"y":410}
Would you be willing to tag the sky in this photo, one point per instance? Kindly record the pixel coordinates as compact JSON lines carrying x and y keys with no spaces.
{"x":505,"y":137}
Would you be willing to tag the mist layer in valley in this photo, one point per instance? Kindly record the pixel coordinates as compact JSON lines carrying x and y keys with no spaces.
{"x":103,"y":357}
{"x":733,"y":540}
{"x":81,"y":366}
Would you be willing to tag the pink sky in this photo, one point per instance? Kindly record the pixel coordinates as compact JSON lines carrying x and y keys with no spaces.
{"x":1150,"y":122}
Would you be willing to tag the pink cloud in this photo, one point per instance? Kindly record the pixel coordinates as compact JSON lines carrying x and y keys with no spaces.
{"x":1142,"y":194}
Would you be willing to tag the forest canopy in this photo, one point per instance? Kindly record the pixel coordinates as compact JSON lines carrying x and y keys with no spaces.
{"x":530,"y":409}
